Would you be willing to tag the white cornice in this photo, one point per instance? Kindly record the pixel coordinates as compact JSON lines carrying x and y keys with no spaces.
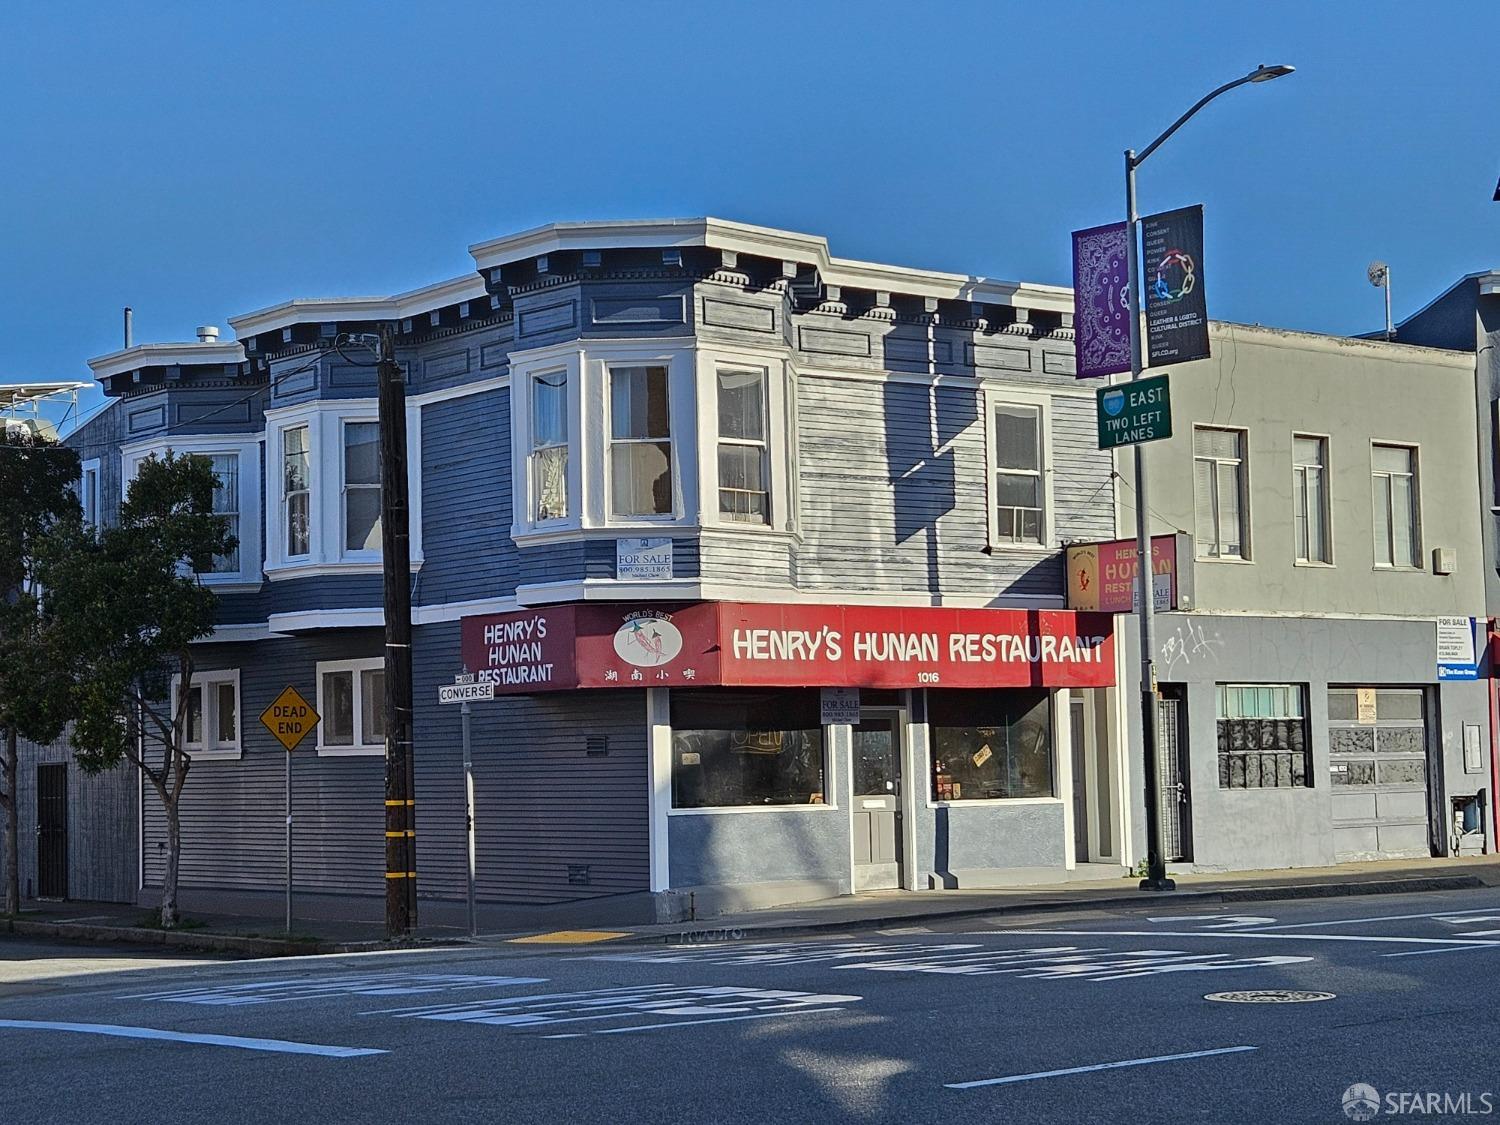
{"x":165,"y":355}
{"x":323,"y":310}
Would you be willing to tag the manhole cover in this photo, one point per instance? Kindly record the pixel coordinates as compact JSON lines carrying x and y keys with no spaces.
{"x":1269,"y":996}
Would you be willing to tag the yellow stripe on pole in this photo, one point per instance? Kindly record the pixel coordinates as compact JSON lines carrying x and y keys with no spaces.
{"x":400,"y":874}
{"x":395,"y":803}
{"x":399,"y":833}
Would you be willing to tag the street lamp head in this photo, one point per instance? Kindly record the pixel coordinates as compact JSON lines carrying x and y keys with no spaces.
{"x":1265,"y":73}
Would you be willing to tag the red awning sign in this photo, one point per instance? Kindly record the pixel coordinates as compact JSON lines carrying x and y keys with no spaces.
{"x":731,"y":643}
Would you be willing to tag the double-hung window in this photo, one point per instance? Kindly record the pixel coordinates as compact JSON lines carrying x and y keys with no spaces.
{"x":213,"y":715}
{"x":1393,"y":479}
{"x":351,"y":701}
{"x":640,"y":445}
{"x":744,"y":484}
{"x":296,"y":491}
{"x":1310,"y":498}
{"x":226,"y":467}
{"x":361,"y":486}
{"x":1019,"y":492}
{"x":549,"y":446}
{"x":1219,"y":492}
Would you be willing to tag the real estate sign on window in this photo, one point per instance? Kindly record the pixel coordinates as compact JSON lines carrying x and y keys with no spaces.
{"x":643,"y":560}
{"x":1176,"y":310}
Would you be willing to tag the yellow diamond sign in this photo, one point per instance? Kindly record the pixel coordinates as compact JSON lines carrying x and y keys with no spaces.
{"x":290,"y":718}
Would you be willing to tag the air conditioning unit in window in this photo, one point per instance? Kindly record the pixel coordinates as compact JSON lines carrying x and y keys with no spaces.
{"x":1444,"y":560}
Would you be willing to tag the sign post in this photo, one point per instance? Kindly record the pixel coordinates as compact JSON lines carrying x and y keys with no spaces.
{"x":290,"y":719}
{"x":461,"y":692}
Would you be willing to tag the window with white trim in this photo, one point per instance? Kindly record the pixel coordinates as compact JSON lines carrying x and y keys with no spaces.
{"x":744,"y":472}
{"x":1219,"y":495}
{"x":361,"y":514}
{"x":296,"y":491}
{"x":1310,"y":498}
{"x":1017,"y":476}
{"x":226,"y":467}
{"x":1393,"y":482}
{"x":88,"y":492}
{"x":351,"y":701}
{"x":549,"y":446}
{"x":213,"y":714}
{"x":640,"y":443}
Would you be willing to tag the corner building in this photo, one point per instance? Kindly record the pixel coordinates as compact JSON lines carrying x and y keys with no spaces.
{"x":760,"y":548}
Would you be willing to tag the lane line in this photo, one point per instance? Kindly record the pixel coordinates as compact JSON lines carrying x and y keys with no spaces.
{"x":1213,"y":935}
{"x":1446,"y":949}
{"x":281,"y":1046}
{"x":1097,"y":1066}
{"x":720,"y":1019}
{"x":1377,"y":918}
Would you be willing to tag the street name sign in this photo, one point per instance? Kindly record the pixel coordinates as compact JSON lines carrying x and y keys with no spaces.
{"x":465,"y":693}
{"x":1134,"y":412}
{"x":290,"y":718}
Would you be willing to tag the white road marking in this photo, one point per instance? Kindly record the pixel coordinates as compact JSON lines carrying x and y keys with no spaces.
{"x":1218,"y":921}
{"x":722,"y":1019}
{"x":1479,"y":933}
{"x":1095,"y":1067}
{"x":281,"y":1046}
{"x":1257,"y":935}
{"x":316,"y":988}
{"x":1443,"y":914}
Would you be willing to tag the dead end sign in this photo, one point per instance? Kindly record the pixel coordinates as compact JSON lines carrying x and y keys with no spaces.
{"x":290,"y":718}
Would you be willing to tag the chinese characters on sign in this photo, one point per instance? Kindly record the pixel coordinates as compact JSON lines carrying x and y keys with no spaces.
{"x":1104,"y":577}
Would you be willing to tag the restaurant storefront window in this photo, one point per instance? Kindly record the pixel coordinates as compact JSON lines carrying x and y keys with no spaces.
{"x":736,"y":748}
{"x":989,"y":745}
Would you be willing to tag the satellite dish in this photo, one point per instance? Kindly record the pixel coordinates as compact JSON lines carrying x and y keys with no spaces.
{"x":1379,"y":274}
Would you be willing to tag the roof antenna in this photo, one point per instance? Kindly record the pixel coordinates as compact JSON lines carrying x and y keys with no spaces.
{"x":129,"y":326}
{"x":1380,"y":276}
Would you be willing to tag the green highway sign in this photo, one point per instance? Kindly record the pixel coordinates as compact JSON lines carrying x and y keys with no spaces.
{"x":1134,"y":412}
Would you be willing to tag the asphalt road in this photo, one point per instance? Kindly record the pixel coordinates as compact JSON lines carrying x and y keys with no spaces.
{"x":966,"y":1021}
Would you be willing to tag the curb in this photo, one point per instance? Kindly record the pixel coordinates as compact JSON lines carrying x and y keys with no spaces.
{"x":202,"y":941}
{"x":707,"y":933}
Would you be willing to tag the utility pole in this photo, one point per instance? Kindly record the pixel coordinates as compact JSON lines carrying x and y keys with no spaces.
{"x":395,"y":535}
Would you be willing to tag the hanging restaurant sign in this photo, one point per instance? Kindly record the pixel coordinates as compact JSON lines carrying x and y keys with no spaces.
{"x":744,"y":644}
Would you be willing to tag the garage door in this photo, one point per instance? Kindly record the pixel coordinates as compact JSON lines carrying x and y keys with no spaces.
{"x":1378,"y":772}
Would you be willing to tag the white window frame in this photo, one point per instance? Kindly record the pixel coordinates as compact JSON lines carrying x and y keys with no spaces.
{"x":1415,"y":453}
{"x":89,"y":476}
{"x":344,"y":423}
{"x":360,"y":748}
{"x":325,"y":421}
{"x":763,"y":444}
{"x":247,"y":448}
{"x":1246,"y":548}
{"x":284,"y":507}
{"x":991,"y":398}
{"x":211,"y":749}
{"x":533,"y":495}
{"x":1299,"y":484}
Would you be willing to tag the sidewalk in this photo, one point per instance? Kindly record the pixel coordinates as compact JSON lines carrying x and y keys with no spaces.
{"x":259,"y":936}
{"x":879,"y":909}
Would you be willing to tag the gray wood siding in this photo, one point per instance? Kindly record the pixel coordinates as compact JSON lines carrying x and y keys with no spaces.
{"x":466,"y":500}
{"x":103,"y":832}
{"x":754,"y":557}
{"x":894,"y":495}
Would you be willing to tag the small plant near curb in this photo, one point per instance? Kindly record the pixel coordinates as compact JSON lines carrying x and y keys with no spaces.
{"x":152,"y":921}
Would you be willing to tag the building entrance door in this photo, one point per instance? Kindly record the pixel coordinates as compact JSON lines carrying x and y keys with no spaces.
{"x":1176,"y":809}
{"x":52,"y":831}
{"x":877,"y":801}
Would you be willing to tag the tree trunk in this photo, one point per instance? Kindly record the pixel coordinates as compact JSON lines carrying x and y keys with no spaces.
{"x":169,"y":915}
{"x":12,"y":813}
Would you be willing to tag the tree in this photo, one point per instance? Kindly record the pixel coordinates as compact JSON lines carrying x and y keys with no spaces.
{"x":133,"y":602}
{"x":36,"y":503}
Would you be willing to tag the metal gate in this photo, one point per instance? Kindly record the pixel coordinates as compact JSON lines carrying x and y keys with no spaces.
{"x":1377,"y":761}
{"x":52,"y":831}
{"x":1174,"y":808}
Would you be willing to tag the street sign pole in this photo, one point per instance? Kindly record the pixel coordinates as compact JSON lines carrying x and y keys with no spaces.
{"x":463,"y":711}
{"x":289,"y":843}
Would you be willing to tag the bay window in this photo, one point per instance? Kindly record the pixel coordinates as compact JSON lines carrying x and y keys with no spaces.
{"x":549,"y":446}
{"x":226,"y":467}
{"x":744,"y":486}
{"x":361,"y":486}
{"x":640,"y":445}
{"x":296,"y":491}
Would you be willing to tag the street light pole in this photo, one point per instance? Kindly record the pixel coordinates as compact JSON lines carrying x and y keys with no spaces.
{"x":1156,"y":865}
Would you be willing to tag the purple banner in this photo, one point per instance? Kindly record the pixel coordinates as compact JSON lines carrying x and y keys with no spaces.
{"x":1101,"y":314}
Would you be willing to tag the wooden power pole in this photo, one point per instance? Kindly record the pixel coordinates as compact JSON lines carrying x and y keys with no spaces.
{"x":395,"y":534}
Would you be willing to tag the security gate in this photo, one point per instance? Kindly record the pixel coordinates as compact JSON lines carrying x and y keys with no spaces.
{"x":1378,"y":751}
{"x":52,"y":831}
{"x":1175,"y":809}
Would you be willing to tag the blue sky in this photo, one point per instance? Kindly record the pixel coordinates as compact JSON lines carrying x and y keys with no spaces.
{"x":199,"y":160}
